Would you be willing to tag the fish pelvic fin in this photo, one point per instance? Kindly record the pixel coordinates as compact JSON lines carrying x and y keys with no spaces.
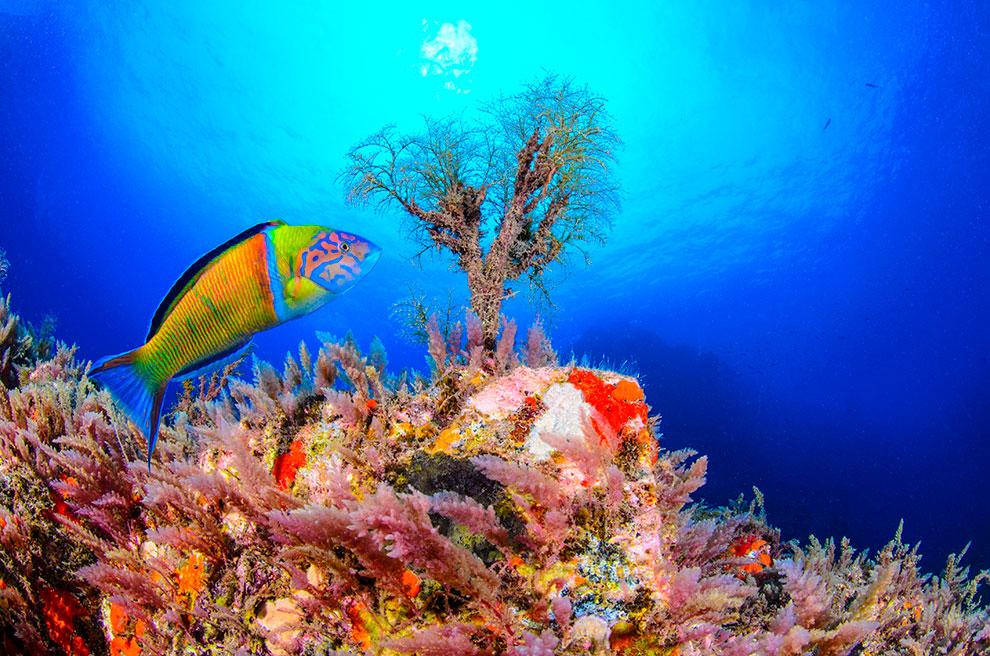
{"x":140,"y":395}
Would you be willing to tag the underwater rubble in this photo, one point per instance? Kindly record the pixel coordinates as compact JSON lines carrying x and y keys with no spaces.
{"x":503,"y":504}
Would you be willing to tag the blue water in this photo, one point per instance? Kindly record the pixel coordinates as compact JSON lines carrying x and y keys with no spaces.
{"x":799,"y":271}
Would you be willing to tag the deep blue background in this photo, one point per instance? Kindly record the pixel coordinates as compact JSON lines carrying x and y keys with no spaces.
{"x":799,"y":272}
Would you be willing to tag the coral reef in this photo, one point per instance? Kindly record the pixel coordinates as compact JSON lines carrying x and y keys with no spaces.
{"x":506,"y":504}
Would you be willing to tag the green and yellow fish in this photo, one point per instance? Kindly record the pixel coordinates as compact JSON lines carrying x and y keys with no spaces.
{"x":261,"y":278}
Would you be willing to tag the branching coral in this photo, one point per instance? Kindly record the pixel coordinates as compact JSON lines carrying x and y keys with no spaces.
{"x":509,"y":196}
{"x":490,"y":509}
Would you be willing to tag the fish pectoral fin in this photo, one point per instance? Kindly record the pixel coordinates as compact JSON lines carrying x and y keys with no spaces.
{"x":215,"y":362}
{"x":303,"y":295}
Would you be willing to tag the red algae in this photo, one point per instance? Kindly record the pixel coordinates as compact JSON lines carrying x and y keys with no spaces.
{"x":753,"y":548}
{"x":618,"y":403}
{"x":59,"y":506}
{"x":126,"y":638}
{"x":359,"y":630}
{"x":121,"y":646}
{"x":627,"y":390}
{"x":60,"y":610}
{"x":287,"y":464}
{"x":410,"y":583}
{"x":191,"y":577}
{"x":118,"y":618}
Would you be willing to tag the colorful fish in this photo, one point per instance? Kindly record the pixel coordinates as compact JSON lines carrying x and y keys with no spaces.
{"x":263,"y":277}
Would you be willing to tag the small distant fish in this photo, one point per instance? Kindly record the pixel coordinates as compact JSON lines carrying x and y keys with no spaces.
{"x":872,"y":85}
{"x":827,"y":123}
{"x":263,"y":277}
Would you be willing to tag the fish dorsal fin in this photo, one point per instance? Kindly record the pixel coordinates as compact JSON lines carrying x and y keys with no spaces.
{"x":192,"y":274}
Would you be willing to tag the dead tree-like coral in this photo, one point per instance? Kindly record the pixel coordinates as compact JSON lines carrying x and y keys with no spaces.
{"x":507,"y":196}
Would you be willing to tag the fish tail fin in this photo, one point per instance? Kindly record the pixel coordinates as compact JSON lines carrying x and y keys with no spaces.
{"x":139,"y":394}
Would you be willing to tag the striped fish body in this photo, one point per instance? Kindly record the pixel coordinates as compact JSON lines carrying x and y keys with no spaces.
{"x":263,"y":277}
{"x":231,"y":300}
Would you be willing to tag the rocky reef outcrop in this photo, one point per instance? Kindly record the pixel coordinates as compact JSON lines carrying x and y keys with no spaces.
{"x":504,"y":504}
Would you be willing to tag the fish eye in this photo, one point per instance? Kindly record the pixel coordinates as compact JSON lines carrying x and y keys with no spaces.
{"x":345,"y":247}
